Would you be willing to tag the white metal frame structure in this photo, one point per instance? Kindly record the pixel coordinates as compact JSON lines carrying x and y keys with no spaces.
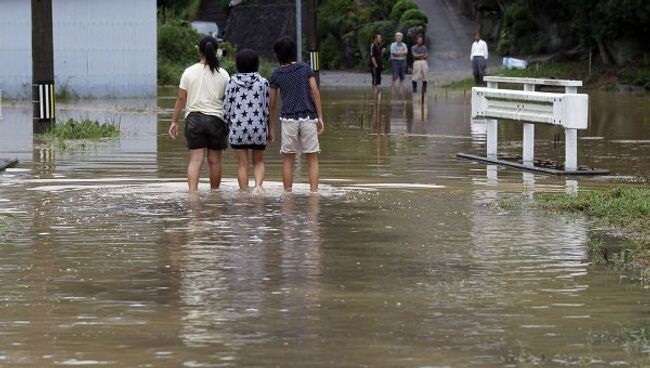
{"x":569,"y":110}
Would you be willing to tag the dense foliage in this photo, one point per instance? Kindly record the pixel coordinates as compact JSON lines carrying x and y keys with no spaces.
{"x":346,"y":28}
{"x":616,"y":29}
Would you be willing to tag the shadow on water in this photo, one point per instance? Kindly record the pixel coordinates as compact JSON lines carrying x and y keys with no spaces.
{"x":402,"y":260}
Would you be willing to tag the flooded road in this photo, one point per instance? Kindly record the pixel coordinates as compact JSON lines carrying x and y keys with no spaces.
{"x":402,"y":261}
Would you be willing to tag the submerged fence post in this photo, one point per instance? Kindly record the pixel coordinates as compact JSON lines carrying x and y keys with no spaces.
{"x":529,"y":136}
{"x":492,"y":131}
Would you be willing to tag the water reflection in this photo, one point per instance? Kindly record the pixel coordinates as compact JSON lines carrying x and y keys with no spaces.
{"x":404,"y":259}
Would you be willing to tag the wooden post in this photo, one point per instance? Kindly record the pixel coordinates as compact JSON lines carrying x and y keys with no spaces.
{"x":311,"y":29}
{"x":43,"y":92}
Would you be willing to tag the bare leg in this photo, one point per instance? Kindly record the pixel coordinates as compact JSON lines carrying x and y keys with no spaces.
{"x":258,"y":168}
{"x":288,"y":160}
{"x":214,"y":160}
{"x":242,"y":167}
{"x":194,"y":168}
{"x":314,"y":171}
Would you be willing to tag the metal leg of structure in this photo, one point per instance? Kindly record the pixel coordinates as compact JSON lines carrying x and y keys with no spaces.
{"x":529,"y":144}
{"x":492,"y":138}
{"x":571,"y":149}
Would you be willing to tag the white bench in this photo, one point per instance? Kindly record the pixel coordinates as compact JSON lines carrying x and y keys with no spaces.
{"x":569,"y":110}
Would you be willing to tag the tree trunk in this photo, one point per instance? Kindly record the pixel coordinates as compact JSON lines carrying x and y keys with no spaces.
{"x":604,"y":54}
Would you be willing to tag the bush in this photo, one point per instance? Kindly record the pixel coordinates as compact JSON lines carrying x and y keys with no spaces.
{"x":401,"y":7}
{"x":169,"y":74}
{"x":503,"y":46}
{"x":387,"y":28}
{"x":414,"y":15}
{"x":176,"y":48}
{"x":330,"y":53}
{"x":177,"y":42}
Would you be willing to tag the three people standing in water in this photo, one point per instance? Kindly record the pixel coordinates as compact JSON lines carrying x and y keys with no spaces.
{"x":239,"y":111}
{"x":398,"y":56}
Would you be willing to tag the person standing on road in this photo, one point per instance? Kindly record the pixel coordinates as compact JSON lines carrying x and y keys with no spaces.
{"x":201,"y":94}
{"x":398,"y":52}
{"x":420,"y":66}
{"x":479,"y":58}
{"x":376,"y":60}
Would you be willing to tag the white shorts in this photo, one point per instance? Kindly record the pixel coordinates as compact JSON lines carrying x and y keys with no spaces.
{"x":299,"y":136}
{"x":420,"y":71}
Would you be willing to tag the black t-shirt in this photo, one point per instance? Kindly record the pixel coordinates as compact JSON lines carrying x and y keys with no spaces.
{"x":375,"y":50}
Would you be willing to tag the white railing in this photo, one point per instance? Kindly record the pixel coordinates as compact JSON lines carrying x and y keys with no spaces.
{"x":569,"y":110}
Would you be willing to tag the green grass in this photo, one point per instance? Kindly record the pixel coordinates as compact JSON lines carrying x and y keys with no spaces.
{"x":84,"y":129}
{"x":626,"y":208}
{"x":622,"y":210}
{"x":601,"y":77}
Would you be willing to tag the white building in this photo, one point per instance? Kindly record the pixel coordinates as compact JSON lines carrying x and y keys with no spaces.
{"x":101,"y":48}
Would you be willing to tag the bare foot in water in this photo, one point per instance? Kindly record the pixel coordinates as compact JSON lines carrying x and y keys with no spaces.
{"x":258,"y":190}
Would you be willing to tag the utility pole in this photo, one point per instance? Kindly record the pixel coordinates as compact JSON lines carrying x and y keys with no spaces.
{"x":43,"y":92}
{"x":299,"y":30}
{"x":311,"y":28}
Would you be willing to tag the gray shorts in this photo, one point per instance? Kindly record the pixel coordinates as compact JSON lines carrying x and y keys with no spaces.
{"x":299,"y":136}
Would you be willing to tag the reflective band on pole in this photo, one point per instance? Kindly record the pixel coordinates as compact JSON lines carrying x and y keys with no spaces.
{"x":52,"y":97}
{"x":314,"y":58}
{"x":40,"y":102}
{"x":46,"y":106}
{"x":46,"y":101}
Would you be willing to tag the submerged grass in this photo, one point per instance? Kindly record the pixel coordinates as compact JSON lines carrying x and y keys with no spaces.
{"x":625,"y":210}
{"x":83,"y":129}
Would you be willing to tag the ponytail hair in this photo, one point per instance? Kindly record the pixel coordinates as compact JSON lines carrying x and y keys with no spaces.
{"x":208,"y":48}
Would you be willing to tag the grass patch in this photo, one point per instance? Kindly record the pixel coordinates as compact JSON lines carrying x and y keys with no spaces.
{"x":460,"y":85}
{"x":624,"y":210}
{"x":84,"y":129}
{"x":601,"y":77}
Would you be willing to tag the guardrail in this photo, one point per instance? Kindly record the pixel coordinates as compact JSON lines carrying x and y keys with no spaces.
{"x":569,"y":110}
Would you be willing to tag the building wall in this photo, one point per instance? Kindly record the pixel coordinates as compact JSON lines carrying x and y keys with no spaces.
{"x":15,"y":48}
{"x":101,"y":48}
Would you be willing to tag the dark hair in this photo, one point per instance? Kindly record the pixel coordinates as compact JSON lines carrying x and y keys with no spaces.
{"x":208,"y":48}
{"x":285,"y":50}
{"x":375,"y":35}
{"x":247,"y":61}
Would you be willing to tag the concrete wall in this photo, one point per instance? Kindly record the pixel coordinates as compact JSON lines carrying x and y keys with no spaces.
{"x":101,"y":48}
{"x":15,"y":48}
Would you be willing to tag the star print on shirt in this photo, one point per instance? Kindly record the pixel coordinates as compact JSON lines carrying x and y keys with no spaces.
{"x":246,"y":109}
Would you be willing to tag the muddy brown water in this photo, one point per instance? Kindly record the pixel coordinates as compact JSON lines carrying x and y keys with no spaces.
{"x":401,"y":261}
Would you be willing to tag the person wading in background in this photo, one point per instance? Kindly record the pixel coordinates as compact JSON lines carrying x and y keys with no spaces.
{"x":420,"y":66}
{"x":376,"y":60}
{"x":479,"y":58}
{"x":398,"y":52}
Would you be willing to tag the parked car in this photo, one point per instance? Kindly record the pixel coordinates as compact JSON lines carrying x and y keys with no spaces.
{"x":206,"y":28}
